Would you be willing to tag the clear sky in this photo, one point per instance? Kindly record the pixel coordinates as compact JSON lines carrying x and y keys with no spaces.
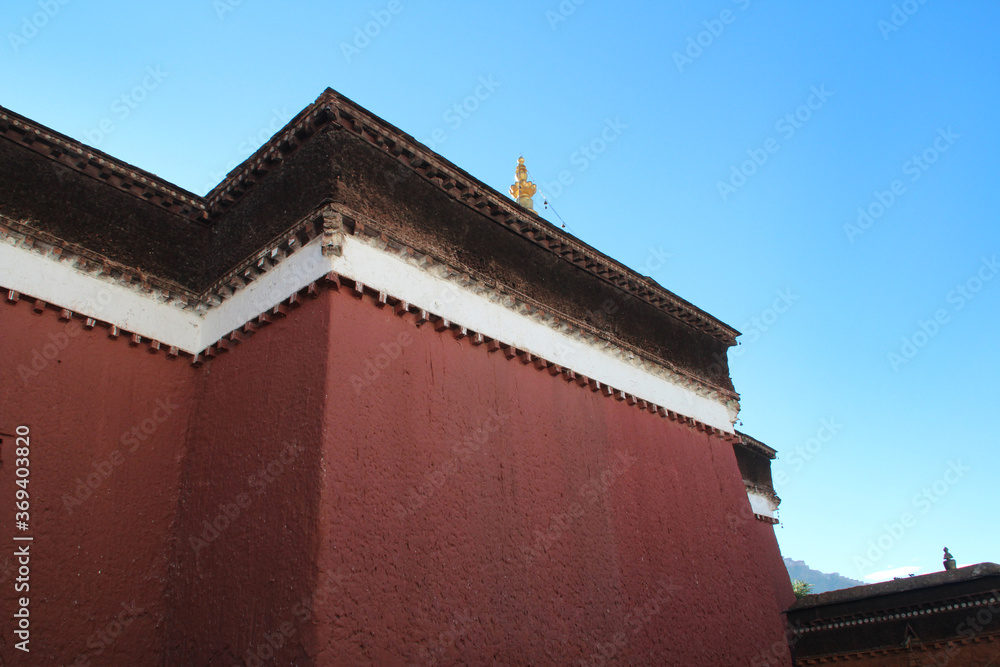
{"x":821,"y":176}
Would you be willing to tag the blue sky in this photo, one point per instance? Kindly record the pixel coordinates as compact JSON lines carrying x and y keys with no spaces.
{"x":744,"y":139}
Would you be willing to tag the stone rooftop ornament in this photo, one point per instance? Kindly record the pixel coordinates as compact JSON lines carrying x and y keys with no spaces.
{"x":524,"y":189}
{"x":949,"y":560}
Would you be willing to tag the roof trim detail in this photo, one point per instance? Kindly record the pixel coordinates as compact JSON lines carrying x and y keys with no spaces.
{"x":332,"y":110}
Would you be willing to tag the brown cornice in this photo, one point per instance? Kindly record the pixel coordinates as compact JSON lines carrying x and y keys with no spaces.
{"x":333,"y":110}
{"x":892,"y":613}
{"x":101,"y":166}
{"x":927,"y":649}
{"x":19,"y":234}
{"x":755,"y":445}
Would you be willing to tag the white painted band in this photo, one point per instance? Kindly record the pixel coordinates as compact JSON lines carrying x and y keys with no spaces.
{"x":296,"y":271}
{"x":762,"y":504}
{"x":387,"y":273}
{"x":61,"y":285}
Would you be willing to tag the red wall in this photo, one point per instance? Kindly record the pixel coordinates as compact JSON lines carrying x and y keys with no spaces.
{"x":253,"y":471}
{"x":762,"y":548}
{"x":519,"y":552}
{"x":574,"y":528}
{"x":99,"y":567}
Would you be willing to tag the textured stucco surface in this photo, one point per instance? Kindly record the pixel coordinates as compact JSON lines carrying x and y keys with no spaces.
{"x":476,"y":508}
{"x":98,"y":547}
{"x":441,"y":504}
{"x":253,"y":460}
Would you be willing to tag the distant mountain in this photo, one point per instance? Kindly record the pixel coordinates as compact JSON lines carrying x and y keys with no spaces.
{"x":821,"y":581}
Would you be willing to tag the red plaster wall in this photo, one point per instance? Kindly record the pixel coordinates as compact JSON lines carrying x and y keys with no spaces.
{"x":96,"y":563}
{"x":254,"y":454}
{"x":577,"y":529}
{"x":441,"y":503}
{"x":762,"y":548}
{"x":770,"y":561}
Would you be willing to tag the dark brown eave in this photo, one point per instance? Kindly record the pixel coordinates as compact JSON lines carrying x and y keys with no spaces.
{"x":101,"y":167}
{"x":754,"y":460}
{"x":92,"y":263}
{"x":880,"y":619}
{"x":332,"y":109}
{"x":756,"y":445}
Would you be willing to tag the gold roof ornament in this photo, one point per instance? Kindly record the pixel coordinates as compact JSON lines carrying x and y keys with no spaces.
{"x":524,"y":189}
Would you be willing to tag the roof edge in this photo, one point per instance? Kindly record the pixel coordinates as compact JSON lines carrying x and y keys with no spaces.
{"x":332,"y":108}
{"x":887,"y":588}
{"x":756,"y":445}
{"x":100,"y":166}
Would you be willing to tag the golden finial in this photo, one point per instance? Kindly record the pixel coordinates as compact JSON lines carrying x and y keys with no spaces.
{"x":523,"y":190}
